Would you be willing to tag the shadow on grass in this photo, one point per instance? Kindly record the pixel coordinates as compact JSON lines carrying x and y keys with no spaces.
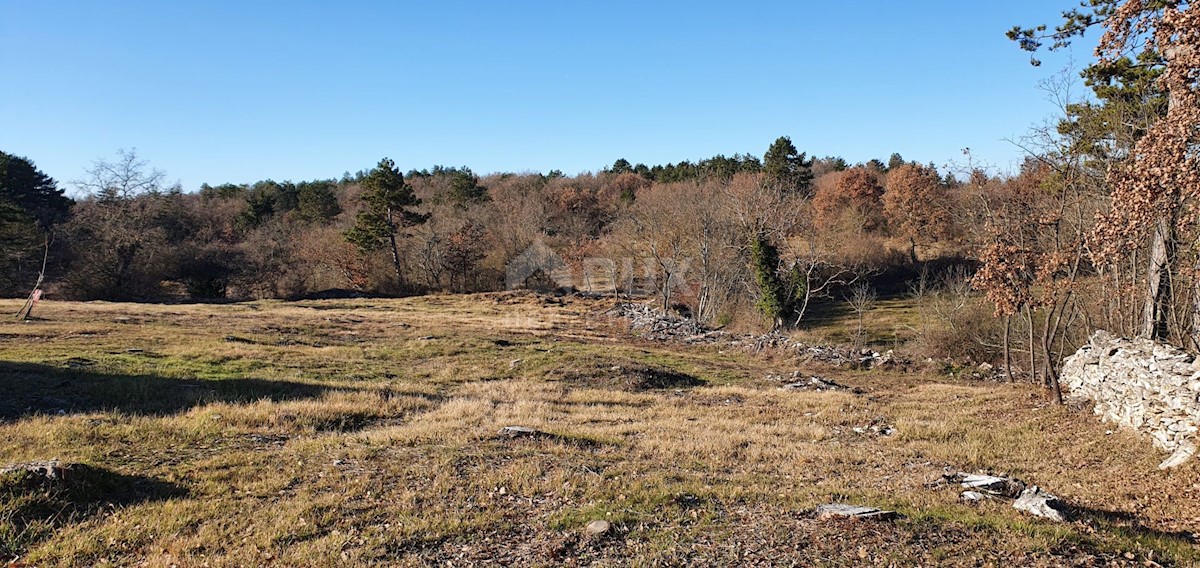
{"x":1129,"y":525}
{"x":32,"y":389}
{"x":33,"y":506}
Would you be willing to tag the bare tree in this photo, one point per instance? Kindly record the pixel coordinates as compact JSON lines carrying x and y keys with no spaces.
{"x":861,"y":300}
{"x":116,"y":234}
{"x":820,"y":268}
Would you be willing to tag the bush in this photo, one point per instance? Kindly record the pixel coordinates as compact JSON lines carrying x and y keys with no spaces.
{"x":954,"y":321}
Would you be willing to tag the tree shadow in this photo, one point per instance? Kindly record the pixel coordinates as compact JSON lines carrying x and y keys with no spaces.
{"x":36,"y":389}
{"x":34,"y":505}
{"x":1128,"y":523}
{"x":823,"y":312}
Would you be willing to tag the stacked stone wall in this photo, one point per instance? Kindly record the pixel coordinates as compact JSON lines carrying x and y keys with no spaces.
{"x":1140,"y":384}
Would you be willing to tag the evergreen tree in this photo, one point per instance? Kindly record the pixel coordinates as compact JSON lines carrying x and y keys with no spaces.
{"x":774,"y":297}
{"x":464,"y":186}
{"x":316,"y":202}
{"x":30,"y":203}
{"x":389,"y":202}
{"x":787,"y":167}
{"x":260,"y":206}
{"x":26,"y":188}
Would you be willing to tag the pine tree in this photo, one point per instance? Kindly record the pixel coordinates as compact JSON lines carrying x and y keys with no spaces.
{"x":787,"y":167}
{"x":465,"y":188}
{"x":389,"y":201}
{"x":621,"y":166}
{"x":316,"y":201}
{"x":24,"y":187}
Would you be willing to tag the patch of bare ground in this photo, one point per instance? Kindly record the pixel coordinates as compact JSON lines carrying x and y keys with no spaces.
{"x":365,"y":432}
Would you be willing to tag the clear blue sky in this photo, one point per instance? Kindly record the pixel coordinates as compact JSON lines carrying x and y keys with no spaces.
{"x":224,"y":91}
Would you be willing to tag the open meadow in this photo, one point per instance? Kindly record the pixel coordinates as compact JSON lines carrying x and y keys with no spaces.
{"x":366,"y":432}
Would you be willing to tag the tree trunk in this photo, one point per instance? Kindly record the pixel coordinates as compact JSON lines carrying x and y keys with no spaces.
{"x":666,"y":285}
{"x":1157,"y":302}
{"x":395,"y":251}
{"x":912,"y":249}
{"x":1007,"y":347}
{"x":1049,"y":374}
{"x":1032,"y":352}
{"x":1157,"y":306}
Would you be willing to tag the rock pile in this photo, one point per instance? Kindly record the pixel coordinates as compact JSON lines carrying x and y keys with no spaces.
{"x":797,"y":382}
{"x":825,"y":354}
{"x":654,"y":324}
{"x":1024,"y":497}
{"x":1140,"y":384}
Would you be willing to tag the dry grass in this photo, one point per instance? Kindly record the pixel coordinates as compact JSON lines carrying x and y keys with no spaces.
{"x":363,"y":433}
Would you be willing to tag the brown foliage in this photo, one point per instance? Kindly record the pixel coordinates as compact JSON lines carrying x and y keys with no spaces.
{"x":465,"y":247}
{"x":1163,"y":172}
{"x":580,"y":206}
{"x":1006,"y":276}
{"x":332,"y":261}
{"x":914,"y":205}
{"x":852,"y":197}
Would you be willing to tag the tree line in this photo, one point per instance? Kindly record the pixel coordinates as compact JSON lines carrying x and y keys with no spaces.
{"x":381,"y":231}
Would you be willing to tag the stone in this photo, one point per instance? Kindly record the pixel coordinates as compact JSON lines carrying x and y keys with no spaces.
{"x":1182,"y":454}
{"x":985,"y":367}
{"x":1040,"y":504}
{"x":598,"y":528}
{"x":842,"y":510}
{"x":973,"y":497}
{"x":52,"y":470}
{"x":992,"y":484}
{"x":1139,"y":384}
{"x":520,"y":432}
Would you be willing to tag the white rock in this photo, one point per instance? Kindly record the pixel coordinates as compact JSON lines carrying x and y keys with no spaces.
{"x":1182,"y":454}
{"x":598,"y":527}
{"x":973,"y":497}
{"x":832,"y":510}
{"x":1040,"y":504}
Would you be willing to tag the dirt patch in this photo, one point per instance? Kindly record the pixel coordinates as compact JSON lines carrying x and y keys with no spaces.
{"x":628,"y":377}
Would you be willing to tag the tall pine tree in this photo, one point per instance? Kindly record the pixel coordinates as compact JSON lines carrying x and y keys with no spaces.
{"x":389,"y":211}
{"x":787,"y":168}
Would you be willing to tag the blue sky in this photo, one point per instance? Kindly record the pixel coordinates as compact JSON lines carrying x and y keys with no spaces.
{"x":241,"y":91}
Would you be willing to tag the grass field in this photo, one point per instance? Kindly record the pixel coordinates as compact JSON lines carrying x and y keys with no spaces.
{"x":364,"y":432}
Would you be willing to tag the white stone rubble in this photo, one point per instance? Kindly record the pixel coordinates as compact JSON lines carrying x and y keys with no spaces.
{"x":1140,"y":384}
